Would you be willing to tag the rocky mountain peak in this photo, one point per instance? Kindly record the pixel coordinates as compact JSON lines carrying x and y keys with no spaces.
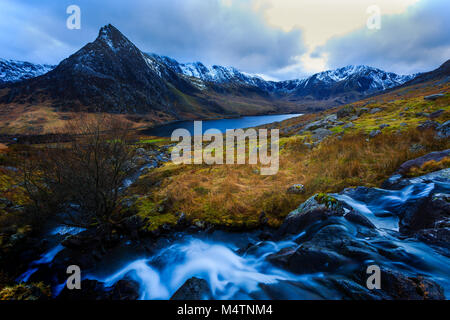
{"x":113,"y":38}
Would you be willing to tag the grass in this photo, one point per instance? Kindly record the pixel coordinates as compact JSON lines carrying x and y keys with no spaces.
{"x":236,"y":196}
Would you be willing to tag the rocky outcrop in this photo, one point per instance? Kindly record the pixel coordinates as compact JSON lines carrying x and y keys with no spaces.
{"x":434,"y":156}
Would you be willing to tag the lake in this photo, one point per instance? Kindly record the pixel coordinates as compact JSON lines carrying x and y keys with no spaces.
{"x":222,"y":125}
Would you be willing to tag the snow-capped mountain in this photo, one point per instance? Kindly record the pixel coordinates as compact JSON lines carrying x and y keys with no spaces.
{"x":359,"y":78}
{"x":206,"y":74}
{"x":111,"y":74}
{"x":13,"y":71}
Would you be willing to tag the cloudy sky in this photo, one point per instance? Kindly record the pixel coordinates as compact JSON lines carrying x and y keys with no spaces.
{"x":278,"y":39}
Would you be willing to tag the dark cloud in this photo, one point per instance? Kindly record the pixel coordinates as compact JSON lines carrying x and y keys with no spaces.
{"x":415,"y":41}
{"x":207,"y":31}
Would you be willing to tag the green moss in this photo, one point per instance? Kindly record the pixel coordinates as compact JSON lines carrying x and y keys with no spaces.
{"x":327,"y":200}
{"x":23,"y":291}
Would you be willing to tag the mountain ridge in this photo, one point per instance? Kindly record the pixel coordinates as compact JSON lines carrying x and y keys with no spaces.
{"x":112,"y":75}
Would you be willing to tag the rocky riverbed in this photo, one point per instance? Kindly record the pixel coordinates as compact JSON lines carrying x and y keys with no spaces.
{"x":321,"y":251}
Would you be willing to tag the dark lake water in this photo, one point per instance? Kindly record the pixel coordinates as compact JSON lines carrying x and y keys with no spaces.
{"x":222,"y":125}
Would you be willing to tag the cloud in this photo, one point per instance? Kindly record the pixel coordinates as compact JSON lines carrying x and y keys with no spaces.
{"x":414,"y":41}
{"x":224,"y":32}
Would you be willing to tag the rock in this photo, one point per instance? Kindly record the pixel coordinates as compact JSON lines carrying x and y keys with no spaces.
{"x":436,"y":114}
{"x":133,"y":225}
{"x":354,"y":118}
{"x":352,"y":290}
{"x":360,"y":219}
{"x":384,"y":125}
{"x":402,"y":287}
{"x":83,"y":241}
{"x":440,"y":237}
{"x":362,"y":111}
{"x":429,"y":124}
{"x":312,"y":260}
{"x":320,"y":134}
{"x":416,"y":148}
{"x":432,"y":211}
{"x":193,"y":289}
{"x":296,"y":189}
{"x":90,"y":290}
{"x":443,"y":130}
{"x":348,"y":125}
{"x":125,"y":289}
{"x":345,"y":112}
{"x":436,"y":156}
{"x":434,"y":96}
{"x":374,"y":133}
{"x":375,"y":110}
{"x":316,"y":208}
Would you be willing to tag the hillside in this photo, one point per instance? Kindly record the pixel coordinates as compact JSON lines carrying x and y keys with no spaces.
{"x":112,"y":75}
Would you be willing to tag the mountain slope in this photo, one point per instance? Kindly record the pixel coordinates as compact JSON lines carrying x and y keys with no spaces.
{"x":112,"y":75}
{"x":343,"y":85}
{"x":14,"y":71}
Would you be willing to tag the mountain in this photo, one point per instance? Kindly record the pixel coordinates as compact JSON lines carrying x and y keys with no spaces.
{"x":347,"y":84}
{"x":112,"y":75}
{"x":14,"y":71}
{"x":441,"y":73}
{"x":342,"y":85}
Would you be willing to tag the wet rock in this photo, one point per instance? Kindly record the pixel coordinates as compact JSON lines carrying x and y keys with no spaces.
{"x":316,"y":208}
{"x":193,"y":289}
{"x":429,"y":213}
{"x":83,"y":241}
{"x":90,"y":290}
{"x":353,"y":291}
{"x":436,"y":156}
{"x":296,"y":189}
{"x":360,"y":219}
{"x":125,"y":289}
{"x":402,"y":287}
{"x":313,"y":260}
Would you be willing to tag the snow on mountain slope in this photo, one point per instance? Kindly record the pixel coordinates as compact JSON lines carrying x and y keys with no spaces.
{"x":13,"y":71}
{"x":214,"y":74}
{"x":360,"y":78}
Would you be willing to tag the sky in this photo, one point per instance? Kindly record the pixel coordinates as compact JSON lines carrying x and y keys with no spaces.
{"x":276,"y":39}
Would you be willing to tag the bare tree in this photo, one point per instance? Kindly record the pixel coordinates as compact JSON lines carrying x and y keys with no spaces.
{"x":88,"y":172}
